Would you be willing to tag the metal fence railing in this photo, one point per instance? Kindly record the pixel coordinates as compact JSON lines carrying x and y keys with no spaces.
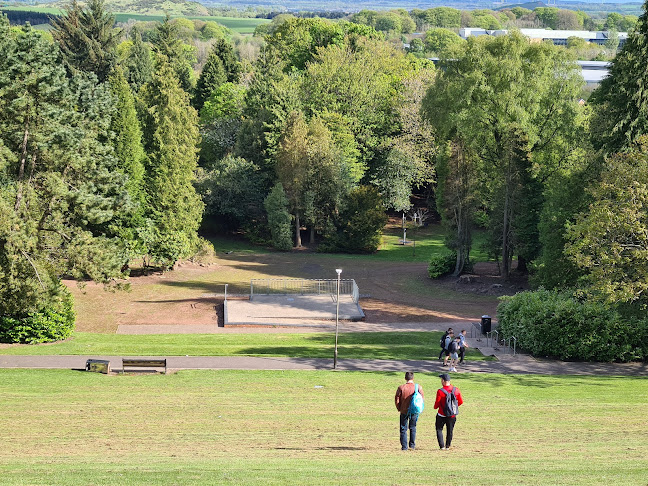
{"x":507,"y":344}
{"x":302,"y":286}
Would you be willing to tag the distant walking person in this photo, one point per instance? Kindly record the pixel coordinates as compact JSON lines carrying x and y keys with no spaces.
{"x":449,"y":338}
{"x":403,"y":399}
{"x":462,"y":345}
{"x":443,"y":344}
{"x":453,"y":350}
{"x":448,"y":400}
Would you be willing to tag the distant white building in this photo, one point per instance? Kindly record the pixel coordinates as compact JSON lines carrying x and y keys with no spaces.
{"x":558,"y":37}
{"x":594,"y":71}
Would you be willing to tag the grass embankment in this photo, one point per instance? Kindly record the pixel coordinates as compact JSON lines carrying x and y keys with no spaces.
{"x":300,"y":427}
{"x":351,"y":345}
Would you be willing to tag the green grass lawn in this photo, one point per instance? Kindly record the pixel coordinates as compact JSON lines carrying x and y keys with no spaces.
{"x":351,"y":345}
{"x":315,"y":427}
{"x":423,"y":243}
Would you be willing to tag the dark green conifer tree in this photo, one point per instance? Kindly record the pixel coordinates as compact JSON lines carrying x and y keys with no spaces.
{"x":221,"y":66}
{"x":171,"y":141}
{"x":166,"y":41}
{"x":213,"y":75}
{"x":59,"y":186}
{"x":138,"y":66}
{"x":87,"y":38}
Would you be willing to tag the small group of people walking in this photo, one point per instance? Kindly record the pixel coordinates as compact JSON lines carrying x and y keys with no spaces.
{"x":453,"y":347}
{"x":447,"y":402}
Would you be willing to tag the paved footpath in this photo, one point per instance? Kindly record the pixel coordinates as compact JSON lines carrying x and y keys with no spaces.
{"x":519,"y":364}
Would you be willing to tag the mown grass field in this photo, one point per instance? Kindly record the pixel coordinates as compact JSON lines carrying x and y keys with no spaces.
{"x":352,"y":345}
{"x":315,"y":427}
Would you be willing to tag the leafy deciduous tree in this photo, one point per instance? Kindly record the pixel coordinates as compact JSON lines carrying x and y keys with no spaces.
{"x":610,"y":240}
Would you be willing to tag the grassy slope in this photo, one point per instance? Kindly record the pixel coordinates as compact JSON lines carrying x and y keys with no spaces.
{"x":232,"y":427}
{"x":362,"y":345}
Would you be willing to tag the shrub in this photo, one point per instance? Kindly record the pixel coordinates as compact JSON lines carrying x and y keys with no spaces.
{"x":358,"y":228}
{"x":442,"y":264}
{"x":54,"y":323}
{"x":550,"y":323}
{"x":276,"y":206}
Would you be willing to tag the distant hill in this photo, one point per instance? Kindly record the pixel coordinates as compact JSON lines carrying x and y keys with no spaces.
{"x":191,"y":9}
{"x":527,"y":5}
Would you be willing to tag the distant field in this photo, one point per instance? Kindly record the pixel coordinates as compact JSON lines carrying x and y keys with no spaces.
{"x":235,"y":24}
{"x":315,"y":428}
{"x":26,"y":8}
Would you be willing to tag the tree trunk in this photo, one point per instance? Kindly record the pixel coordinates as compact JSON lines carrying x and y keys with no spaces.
{"x":21,"y":170}
{"x":460,"y":262}
{"x":298,"y":243}
{"x":522,"y":265}
{"x":506,"y":254}
{"x":312,"y":235}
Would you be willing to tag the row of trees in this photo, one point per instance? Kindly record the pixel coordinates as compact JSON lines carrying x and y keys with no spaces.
{"x":561,"y":185}
{"x":91,"y":176}
{"x":118,"y":147}
{"x":400,"y":21}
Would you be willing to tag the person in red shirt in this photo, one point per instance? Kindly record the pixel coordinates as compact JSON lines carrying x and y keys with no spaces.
{"x":441,"y":418}
{"x":403,"y":398}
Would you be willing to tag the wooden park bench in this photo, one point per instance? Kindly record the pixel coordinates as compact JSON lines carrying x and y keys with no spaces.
{"x":144,"y":363}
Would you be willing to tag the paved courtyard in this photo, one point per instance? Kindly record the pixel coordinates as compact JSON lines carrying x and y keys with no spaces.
{"x":290,"y":310}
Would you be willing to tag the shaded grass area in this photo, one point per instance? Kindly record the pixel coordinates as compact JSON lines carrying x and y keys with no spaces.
{"x":422,"y":243}
{"x":314,"y":427}
{"x":351,"y":345}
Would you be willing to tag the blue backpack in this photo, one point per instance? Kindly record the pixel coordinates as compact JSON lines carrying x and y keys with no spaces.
{"x":416,"y":405}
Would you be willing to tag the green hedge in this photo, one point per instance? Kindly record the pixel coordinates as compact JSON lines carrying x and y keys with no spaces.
{"x":54,"y":323}
{"x":550,"y":323}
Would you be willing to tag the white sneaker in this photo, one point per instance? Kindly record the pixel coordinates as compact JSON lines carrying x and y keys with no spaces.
{"x":453,"y":369}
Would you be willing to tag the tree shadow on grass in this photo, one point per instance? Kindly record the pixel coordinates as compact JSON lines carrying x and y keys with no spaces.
{"x":332,"y":448}
{"x":208,"y":287}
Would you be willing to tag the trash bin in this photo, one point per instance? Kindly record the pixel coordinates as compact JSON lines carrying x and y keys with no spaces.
{"x":98,"y":366}
{"x":485,"y":324}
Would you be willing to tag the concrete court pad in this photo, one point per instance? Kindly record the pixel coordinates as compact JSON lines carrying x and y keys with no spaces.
{"x":290,"y":310}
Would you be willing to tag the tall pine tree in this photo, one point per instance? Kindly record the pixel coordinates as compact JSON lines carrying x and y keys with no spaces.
{"x":138,"y":65}
{"x":171,"y":141}
{"x":59,"y":183}
{"x":213,"y":75}
{"x":222,"y":66}
{"x":167,"y":42}
{"x":129,"y":150}
{"x":87,"y":38}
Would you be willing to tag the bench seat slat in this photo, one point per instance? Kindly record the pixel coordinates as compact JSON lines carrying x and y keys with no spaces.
{"x":144,"y":363}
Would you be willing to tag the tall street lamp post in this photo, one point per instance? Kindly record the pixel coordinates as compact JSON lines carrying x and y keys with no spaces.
{"x":337,"y":316}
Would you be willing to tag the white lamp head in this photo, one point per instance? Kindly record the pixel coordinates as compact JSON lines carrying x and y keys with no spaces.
{"x":339,"y":271}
